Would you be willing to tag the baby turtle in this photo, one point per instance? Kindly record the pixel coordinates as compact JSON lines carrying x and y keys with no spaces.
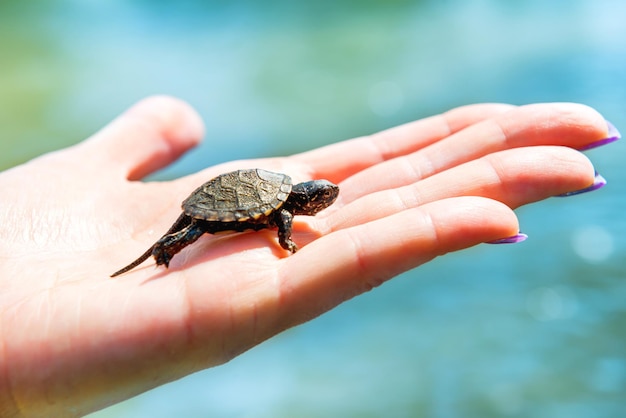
{"x":238,"y":201}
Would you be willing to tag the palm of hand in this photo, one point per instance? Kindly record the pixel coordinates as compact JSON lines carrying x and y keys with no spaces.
{"x":74,"y":218}
{"x":72,"y":237}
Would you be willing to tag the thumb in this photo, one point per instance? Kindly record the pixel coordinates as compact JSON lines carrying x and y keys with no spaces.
{"x":150,"y":135}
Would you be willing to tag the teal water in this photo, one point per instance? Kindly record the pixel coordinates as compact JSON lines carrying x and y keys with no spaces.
{"x":536,"y":329}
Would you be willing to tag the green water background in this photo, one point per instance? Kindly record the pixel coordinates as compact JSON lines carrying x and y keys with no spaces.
{"x":531,"y":330}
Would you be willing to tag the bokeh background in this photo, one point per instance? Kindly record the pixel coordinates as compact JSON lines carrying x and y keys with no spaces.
{"x":536,"y":329}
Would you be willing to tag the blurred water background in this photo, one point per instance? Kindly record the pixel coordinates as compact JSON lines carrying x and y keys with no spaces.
{"x":531,"y":330}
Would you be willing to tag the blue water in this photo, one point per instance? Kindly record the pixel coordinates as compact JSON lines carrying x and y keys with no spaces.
{"x":536,"y":329}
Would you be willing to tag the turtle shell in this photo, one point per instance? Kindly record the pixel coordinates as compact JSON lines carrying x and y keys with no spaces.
{"x":241,"y":196}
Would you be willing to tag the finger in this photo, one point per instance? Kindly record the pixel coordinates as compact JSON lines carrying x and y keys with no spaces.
{"x":514,"y":177}
{"x":360,"y":258}
{"x":565,"y":124}
{"x":149,"y":136}
{"x":336,"y":162}
{"x":339,"y":161}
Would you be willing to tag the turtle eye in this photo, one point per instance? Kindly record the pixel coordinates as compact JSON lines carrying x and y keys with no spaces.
{"x":328,"y":194}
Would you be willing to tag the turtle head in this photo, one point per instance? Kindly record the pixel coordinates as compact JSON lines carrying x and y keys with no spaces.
{"x":310,"y":197}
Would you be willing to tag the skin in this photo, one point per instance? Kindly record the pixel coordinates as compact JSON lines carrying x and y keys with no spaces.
{"x":73,"y":340}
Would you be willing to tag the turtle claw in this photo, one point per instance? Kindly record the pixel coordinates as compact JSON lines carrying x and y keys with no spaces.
{"x":162,"y":257}
{"x":288,"y":245}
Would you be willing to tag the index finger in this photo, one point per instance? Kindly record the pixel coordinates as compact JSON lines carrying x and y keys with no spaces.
{"x":338,"y":161}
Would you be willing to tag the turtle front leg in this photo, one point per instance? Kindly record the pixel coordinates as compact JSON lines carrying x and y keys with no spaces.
{"x":171,"y":244}
{"x":284,"y":220}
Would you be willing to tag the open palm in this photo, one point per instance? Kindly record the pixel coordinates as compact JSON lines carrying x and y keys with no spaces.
{"x":74,"y":340}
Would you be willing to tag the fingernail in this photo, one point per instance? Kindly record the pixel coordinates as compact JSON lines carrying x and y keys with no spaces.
{"x":598,"y":183}
{"x":612,"y":136}
{"x":510,"y":240}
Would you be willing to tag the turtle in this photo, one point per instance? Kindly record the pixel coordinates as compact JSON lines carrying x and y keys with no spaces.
{"x":241,"y":200}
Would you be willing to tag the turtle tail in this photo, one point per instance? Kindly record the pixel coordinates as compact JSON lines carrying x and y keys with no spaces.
{"x":182,"y":221}
{"x":135,"y":263}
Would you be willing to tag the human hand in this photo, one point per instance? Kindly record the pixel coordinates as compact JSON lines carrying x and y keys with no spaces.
{"x":73,"y":340}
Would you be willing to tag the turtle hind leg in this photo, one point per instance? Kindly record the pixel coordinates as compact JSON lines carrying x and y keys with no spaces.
{"x":180,"y":223}
{"x":170,"y":244}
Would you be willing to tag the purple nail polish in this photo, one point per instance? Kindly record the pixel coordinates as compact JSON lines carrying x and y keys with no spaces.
{"x":598,"y":183}
{"x":612,"y":136}
{"x":510,"y":240}
{"x":613,"y":132}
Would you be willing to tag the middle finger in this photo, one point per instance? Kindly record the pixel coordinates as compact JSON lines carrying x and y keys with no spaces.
{"x":513,"y":177}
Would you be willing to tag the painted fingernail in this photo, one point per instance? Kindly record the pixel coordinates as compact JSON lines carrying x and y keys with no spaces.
{"x":510,"y":240}
{"x":612,"y":136}
{"x":598,"y":183}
